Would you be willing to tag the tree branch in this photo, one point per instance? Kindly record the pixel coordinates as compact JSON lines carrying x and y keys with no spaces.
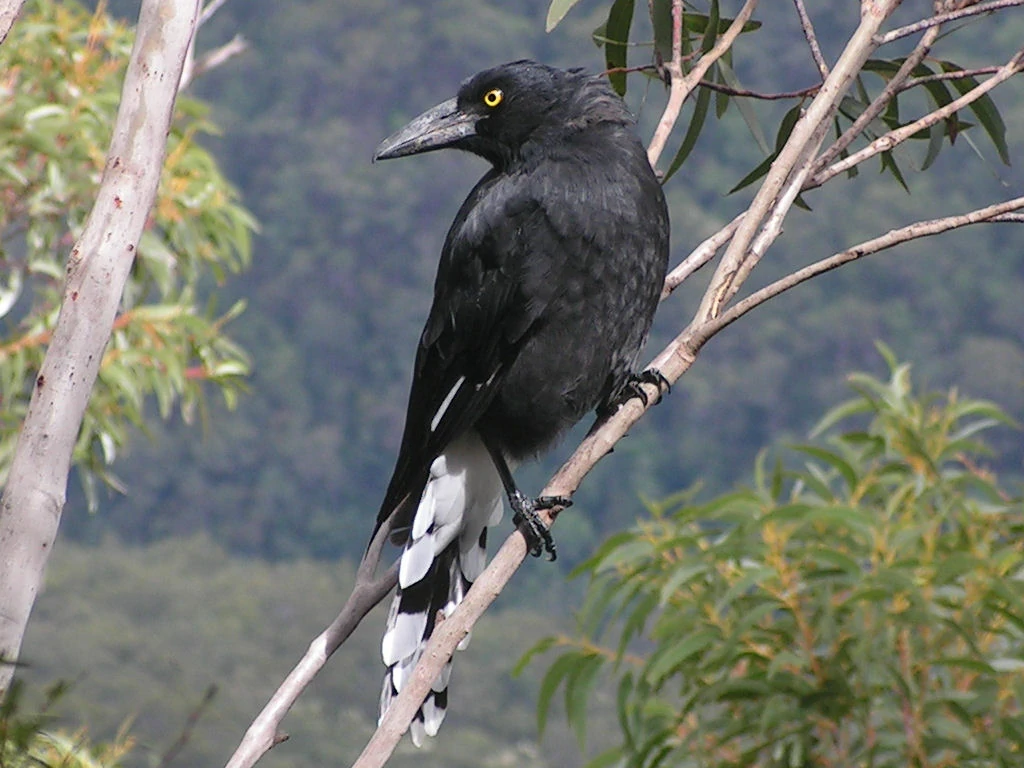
{"x":942,"y":18}
{"x":876,"y":107}
{"x":681,"y":85}
{"x":812,"y":40}
{"x":959,"y":74}
{"x":99,"y":264}
{"x":9,"y":10}
{"x":898,"y":136}
{"x":264,"y":733}
{"x":797,"y":152}
{"x":997,"y":213}
{"x":213,"y":59}
{"x":744,"y":93}
{"x":700,"y":256}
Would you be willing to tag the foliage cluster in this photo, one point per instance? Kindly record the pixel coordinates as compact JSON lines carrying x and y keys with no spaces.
{"x":865,"y":608}
{"x":60,"y":82}
{"x":27,"y":741}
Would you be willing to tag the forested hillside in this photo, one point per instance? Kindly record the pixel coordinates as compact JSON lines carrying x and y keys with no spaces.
{"x":343,"y":269}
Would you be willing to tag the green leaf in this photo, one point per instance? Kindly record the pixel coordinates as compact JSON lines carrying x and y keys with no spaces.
{"x":562,"y":666}
{"x":620,"y":18}
{"x":754,"y":175}
{"x":579,"y":683}
{"x":935,"y":135}
{"x":746,"y":109}
{"x":834,"y":460}
{"x":541,"y":646}
{"x":700,"y":112}
{"x":557,"y":11}
{"x":889,"y":164}
{"x":711,"y":28}
{"x":662,"y":664}
{"x":984,"y":109}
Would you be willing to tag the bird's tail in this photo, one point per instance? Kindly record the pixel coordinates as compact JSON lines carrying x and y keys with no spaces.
{"x":444,"y":554}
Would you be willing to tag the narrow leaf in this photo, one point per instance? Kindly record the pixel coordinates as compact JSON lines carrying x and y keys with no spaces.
{"x":557,"y":11}
{"x":620,"y":18}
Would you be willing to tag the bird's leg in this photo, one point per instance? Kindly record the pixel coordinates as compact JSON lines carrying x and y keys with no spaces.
{"x":524,"y":509}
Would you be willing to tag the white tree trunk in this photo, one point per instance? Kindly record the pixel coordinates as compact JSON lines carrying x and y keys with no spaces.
{"x":97,"y":269}
{"x":9,"y":10}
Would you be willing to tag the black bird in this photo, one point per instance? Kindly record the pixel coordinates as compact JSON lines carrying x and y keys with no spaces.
{"x":548,"y":281}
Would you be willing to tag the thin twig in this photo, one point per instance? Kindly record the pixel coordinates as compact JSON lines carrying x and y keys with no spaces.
{"x":997,"y":213}
{"x":893,"y":138}
{"x":743,"y":93}
{"x":699,"y":256}
{"x":213,"y":59}
{"x":190,"y":725}
{"x":264,"y":732}
{"x":812,"y":40}
{"x":682,"y":85}
{"x":880,"y":102}
{"x":959,"y":74}
{"x":208,"y":11}
{"x":942,"y":18}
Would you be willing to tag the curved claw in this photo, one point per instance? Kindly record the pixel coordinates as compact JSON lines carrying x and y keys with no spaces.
{"x":538,"y":536}
{"x":634,"y":387}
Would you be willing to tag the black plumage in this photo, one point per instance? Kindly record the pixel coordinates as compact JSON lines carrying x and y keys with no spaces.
{"x":548,"y":281}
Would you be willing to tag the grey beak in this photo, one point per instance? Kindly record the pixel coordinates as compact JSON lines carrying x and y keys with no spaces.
{"x":436,"y":128}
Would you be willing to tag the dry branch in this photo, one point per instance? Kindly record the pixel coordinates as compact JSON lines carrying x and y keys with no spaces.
{"x":878,"y":105}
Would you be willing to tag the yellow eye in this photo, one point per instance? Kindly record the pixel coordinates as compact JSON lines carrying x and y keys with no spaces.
{"x":493,"y":97}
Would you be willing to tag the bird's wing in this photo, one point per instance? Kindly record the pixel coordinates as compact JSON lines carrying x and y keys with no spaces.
{"x":493,"y":283}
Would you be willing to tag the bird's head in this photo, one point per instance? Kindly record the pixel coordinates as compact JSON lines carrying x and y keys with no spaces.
{"x":500,"y":111}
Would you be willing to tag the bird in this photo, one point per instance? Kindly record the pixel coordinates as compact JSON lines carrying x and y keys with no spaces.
{"x":547,"y":285}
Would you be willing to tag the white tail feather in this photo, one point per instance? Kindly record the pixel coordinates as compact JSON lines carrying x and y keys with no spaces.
{"x":462,"y":497}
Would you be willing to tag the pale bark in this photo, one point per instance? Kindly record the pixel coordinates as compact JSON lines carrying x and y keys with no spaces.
{"x":9,"y":10}
{"x":97,"y":269}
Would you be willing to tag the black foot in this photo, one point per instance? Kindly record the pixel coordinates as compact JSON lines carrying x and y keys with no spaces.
{"x":634,"y":387}
{"x":525,"y":517}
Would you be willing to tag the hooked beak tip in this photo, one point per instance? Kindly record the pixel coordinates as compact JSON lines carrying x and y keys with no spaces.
{"x":437,"y":128}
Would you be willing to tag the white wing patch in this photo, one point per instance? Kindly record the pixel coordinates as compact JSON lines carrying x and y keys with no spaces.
{"x":446,"y":402}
